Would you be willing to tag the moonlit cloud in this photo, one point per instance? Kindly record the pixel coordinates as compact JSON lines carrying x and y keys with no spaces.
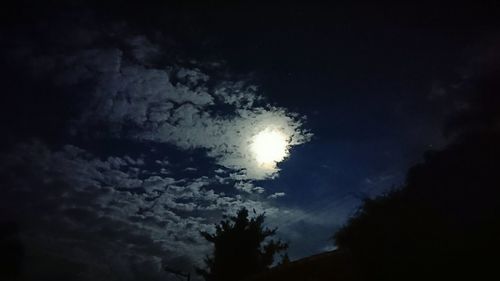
{"x":146,"y":208}
{"x":127,"y":208}
{"x":158,"y":217}
{"x":146,"y":104}
{"x":276,"y":195}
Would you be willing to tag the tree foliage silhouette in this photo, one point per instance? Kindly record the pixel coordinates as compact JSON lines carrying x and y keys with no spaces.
{"x":241,"y":248}
{"x":444,"y":223}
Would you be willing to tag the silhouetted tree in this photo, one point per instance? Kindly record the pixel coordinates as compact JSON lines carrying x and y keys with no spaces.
{"x":444,"y":222}
{"x":241,"y":248}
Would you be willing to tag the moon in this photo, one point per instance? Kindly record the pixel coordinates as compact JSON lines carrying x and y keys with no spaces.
{"x":269,"y":147}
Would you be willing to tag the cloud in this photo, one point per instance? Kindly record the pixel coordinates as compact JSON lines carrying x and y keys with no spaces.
{"x":90,"y":203}
{"x":182,"y":106}
{"x":124,"y":210}
{"x":276,"y":195}
{"x":143,"y":219}
{"x":145,"y":104}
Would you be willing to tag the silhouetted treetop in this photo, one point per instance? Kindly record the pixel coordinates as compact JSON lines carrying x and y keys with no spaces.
{"x":241,"y":248}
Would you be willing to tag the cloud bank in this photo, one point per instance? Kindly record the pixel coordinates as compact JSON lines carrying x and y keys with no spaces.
{"x":153,"y":150}
{"x":175,"y":105}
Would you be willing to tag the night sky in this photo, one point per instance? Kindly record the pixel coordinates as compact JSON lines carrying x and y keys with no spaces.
{"x":127,"y":125}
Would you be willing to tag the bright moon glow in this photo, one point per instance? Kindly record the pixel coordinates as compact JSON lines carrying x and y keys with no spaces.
{"x":269,"y":147}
